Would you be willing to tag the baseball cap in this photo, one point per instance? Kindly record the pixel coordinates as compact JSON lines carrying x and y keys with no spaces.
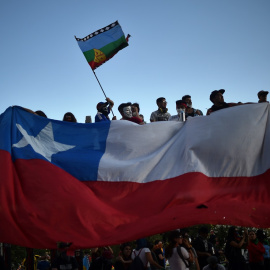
{"x":262,"y":93}
{"x":101,"y":104}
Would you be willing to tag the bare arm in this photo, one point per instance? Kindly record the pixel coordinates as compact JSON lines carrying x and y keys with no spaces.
{"x":150,"y":259}
{"x":110,"y":102}
{"x":203,"y":254}
{"x":197,"y":264}
{"x":238,"y":245}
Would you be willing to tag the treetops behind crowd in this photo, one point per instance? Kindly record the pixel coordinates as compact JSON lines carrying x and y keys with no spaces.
{"x":184,"y":108}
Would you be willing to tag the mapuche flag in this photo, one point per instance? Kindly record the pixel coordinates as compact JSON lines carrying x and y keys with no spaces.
{"x":103,"y":44}
{"x":110,"y":182}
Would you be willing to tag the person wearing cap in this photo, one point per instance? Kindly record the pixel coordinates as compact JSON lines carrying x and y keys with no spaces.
{"x":103,"y":111}
{"x":64,"y":261}
{"x":213,"y":264}
{"x":161,"y":114}
{"x":217,"y":99}
{"x":190,"y":111}
{"x":262,"y":96}
{"x":181,"y":111}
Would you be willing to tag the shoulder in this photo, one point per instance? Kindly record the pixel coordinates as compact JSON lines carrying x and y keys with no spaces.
{"x":98,"y":117}
{"x":146,"y":250}
{"x":209,"y":111}
{"x":154,"y":113}
{"x":184,"y":252}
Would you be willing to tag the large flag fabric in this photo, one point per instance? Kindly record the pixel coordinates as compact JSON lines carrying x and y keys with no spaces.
{"x":102,"y":44}
{"x":106,"y":183}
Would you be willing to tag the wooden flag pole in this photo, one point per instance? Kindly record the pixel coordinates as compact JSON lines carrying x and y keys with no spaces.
{"x":101,"y":88}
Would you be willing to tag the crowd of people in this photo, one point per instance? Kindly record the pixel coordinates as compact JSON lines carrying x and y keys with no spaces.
{"x":184,"y":108}
{"x":242,"y":250}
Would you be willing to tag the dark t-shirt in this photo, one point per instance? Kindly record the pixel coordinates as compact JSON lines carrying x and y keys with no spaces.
{"x":160,"y":261}
{"x":223,"y":106}
{"x":43,"y":265}
{"x":199,"y":245}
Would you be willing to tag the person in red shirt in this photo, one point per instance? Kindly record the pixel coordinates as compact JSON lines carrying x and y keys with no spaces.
{"x":255,"y":251}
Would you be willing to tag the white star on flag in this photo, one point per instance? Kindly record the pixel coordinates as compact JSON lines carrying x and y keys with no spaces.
{"x":44,"y":143}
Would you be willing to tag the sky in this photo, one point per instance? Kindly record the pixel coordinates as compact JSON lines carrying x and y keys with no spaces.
{"x":177,"y":47}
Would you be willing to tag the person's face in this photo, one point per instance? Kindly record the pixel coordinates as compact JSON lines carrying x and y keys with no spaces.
{"x":252,"y":235}
{"x":263,"y":98}
{"x":160,"y":245}
{"x":68,"y":118}
{"x":219,"y":98}
{"x":127,"y":251}
{"x":179,"y":240}
{"x":104,"y":108}
{"x":188,"y":101}
{"x":127,"y":112}
{"x":162,"y":104}
{"x":185,"y":242}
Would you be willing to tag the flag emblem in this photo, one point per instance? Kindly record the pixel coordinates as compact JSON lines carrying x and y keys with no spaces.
{"x":99,"y":56}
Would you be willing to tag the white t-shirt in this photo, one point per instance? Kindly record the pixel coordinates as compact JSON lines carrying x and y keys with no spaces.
{"x":142,"y":255}
{"x":176,"y":263}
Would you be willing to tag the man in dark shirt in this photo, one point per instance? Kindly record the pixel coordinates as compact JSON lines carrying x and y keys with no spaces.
{"x":217,"y":99}
{"x":159,"y":253}
{"x":202,"y":247}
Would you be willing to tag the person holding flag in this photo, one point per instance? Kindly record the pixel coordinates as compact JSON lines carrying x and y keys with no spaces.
{"x":104,"y":109}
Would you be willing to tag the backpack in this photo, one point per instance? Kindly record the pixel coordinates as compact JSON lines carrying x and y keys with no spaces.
{"x":137,"y":263}
{"x":182,"y":257}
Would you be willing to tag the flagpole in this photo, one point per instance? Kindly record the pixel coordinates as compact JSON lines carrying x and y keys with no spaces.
{"x":101,"y":88}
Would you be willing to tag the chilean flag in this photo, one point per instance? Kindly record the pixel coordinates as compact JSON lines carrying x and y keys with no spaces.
{"x":106,"y":183}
